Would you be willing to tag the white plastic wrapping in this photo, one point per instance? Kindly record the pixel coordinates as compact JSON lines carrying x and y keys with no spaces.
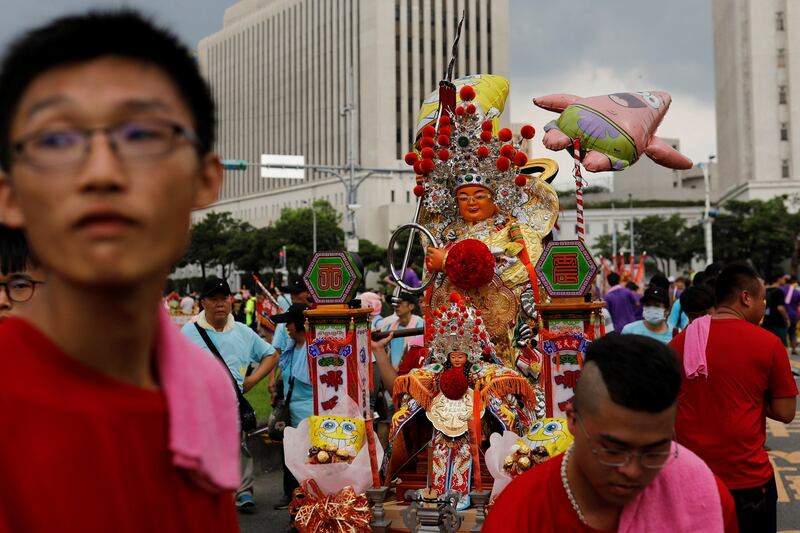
{"x":499,"y":448}
{"x":331,"y":478}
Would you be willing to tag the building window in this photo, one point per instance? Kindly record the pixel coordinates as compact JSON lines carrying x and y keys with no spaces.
{"x":784,"y":132}
{"x":392,"y":197}
{"x":779,"y":21}
{"x":781,"y":58}
{"x":782,"y":94}
{"x":408,"y":197}
{"x":785,"y":168}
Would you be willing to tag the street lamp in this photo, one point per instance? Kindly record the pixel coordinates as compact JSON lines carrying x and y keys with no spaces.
{"x":313,"y":223}
{"x":707,"y":211}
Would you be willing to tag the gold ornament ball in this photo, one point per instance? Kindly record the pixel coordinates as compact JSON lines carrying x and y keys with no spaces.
{"x":509,"y":462}
{"x":524,"y":450}
{"x":524,"y":463}
{"x":342,"y":453}
{"x":323,"y":457}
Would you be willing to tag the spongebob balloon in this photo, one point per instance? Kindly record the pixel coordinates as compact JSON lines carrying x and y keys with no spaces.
{"x":551,"y":433}
{"x":339,"y":431}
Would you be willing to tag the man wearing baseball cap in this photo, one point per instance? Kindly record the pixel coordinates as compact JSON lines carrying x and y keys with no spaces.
{"x":655,"y":306}
{"x":215,"y":330}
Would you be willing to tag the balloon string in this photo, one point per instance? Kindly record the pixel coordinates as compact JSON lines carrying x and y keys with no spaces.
{"x":576,"y":173}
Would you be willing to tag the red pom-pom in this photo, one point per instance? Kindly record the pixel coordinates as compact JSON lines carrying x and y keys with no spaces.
{"x":507,"y":151}
{"x":478,"y":313}
{"x":443,"y":154}
{"x":427,"y":142}
{"x":427,"y":153}
{"x":503,"y":163}
{"x":444,"y":120}
{"x":453,"y":383}
{"x":427,"y":166}
{"x":476,"y":330}
{"x":443,"y":140}
{"x":469,"y":264}
{"x":487,"y":126}
{"x":428,"y":131}
{"x":505,"y":134}
{"x":471,"y":109}
{"x":454,"y":297}
{"x":486,"y":136}
{"x":482,"y":151}
{"x":527,"y":131}
{"x":520,"y":181}
{"x":487,"y":351}
{"x":411,"y":158}
{"x":419,"y":190}
{"x":478,"y":320}
{"x":418,"y":167}
{"x":520,"y":159}
{"x":460,"y":110}
{"x":445,"y":131}
{"x":466,"y":93}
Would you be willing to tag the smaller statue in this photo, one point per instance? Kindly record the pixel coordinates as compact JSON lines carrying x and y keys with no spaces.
{"x":464,"y":371}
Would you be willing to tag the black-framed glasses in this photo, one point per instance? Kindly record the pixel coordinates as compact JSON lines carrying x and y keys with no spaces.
{"x":620,"y":458}
{"x":20,"y":288}
{"x":132,"y":141}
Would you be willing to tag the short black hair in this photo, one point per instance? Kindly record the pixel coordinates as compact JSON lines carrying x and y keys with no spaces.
{"x":734,"y":279}
{"x":408,"y":298}
{"x":697,"y":298}
{"x":613,"y":279}
{"x":15,"y":254}
{"x":659,"y":280}
{"x":640,"y":373}
{"x":78,"y":38}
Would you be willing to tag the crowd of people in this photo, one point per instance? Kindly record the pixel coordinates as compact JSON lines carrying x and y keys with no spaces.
{"x":107,"y":126}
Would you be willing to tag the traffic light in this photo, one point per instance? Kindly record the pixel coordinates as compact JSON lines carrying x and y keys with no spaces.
{"x":234,"y":164}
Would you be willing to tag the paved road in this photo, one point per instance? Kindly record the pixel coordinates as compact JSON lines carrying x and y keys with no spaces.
{"x":783,"y":439}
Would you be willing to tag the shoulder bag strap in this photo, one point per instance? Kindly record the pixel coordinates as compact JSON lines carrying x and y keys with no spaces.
{"x":291,"y":377}
{"x":213,"y":348}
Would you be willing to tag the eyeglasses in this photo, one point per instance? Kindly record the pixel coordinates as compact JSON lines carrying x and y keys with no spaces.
{"x":620,"y":458}
{"x":20,"y":288}
{"x":136,"y":140}
{"x":480,"y":197}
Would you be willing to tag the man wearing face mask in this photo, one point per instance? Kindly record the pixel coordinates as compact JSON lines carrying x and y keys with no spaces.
{"x":655,"y":306}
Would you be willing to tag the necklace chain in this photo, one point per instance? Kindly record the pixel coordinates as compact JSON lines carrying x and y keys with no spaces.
{"x":565,"y":483}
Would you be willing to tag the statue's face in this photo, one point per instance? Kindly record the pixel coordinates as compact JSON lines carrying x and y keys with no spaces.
{"x":458,"y":359}
{"x":475,"y":203}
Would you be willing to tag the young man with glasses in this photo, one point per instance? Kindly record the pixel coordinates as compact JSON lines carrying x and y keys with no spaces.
{"x":20,"y":275}
{"x":112,"y":419}
{"x":623,"y":472}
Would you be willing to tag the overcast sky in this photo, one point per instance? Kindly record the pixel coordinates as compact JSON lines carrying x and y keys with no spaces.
{"x":585,"y":47}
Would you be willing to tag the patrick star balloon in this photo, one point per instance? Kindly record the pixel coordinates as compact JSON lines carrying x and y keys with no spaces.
{"x":614,"y":129}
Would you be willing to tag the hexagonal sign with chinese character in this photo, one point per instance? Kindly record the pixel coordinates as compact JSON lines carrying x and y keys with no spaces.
{"x":332,"y":277}
{"x":566,"y":268}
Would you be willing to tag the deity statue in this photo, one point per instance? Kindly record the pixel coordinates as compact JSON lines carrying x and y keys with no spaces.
{"x":462,"y":383}
{"x":491,"y":209}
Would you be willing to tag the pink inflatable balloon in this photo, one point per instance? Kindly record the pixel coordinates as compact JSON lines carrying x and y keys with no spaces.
{"x":614,"y":129}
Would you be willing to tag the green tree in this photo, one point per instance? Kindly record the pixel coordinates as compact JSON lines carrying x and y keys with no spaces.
{"x":294,"y":229}
{"x":210,"y":241}
{"x":763,"y":232}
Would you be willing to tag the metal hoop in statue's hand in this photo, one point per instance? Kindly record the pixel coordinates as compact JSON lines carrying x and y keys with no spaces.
{"x":398,"y":278}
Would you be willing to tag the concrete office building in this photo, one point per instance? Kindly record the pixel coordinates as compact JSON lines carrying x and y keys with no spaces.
{"x":279,"y":72}
{"x":757,"y":76}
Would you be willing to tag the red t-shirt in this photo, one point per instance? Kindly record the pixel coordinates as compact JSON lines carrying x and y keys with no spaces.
{"x":722,"y":419}
{"x":536,"y":501}
{"x":83,"y":452}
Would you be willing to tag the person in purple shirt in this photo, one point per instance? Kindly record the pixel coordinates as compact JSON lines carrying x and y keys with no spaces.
{"x":621,"y":302}
{"x":410,"y":278}
{"x":791,"y":295}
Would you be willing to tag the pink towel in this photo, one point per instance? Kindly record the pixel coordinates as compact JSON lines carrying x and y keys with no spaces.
{"x":682,"y":498}
{"x":203,"y":416}
{"x":694,"y":347}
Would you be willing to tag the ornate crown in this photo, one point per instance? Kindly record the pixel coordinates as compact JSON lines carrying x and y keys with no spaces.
{"x":465,"y":151}
{"x":458,"y":327}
